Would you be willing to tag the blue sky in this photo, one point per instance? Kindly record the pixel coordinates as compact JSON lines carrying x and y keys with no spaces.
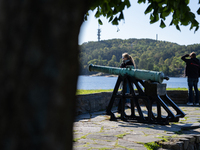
{"x":136,"y":25}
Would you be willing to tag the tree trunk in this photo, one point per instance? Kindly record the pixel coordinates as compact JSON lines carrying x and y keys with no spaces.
{"x":38,"y":72}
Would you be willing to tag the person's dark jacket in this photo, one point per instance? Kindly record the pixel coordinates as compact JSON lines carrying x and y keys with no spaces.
{"x":192,"y":68}
{"x":126,"y":63}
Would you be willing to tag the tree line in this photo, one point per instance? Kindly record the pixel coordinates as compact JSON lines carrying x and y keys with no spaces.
{"x":148,"y":54}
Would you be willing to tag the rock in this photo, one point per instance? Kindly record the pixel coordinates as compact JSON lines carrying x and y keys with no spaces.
{"x":173,"y":145}
{"x":185,"y":142}
{"x":197,"y":138}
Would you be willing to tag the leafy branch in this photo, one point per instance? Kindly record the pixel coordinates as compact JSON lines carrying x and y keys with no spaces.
{"x":158,"y":9}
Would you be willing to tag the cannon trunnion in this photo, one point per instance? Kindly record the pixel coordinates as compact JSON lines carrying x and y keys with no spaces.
{"x":151,"y":94}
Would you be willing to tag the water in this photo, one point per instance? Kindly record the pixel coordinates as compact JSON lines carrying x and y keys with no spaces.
{"x":96,"y":82}
{"x":101,"y":82}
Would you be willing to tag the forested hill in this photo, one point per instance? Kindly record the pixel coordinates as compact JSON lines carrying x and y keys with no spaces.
{"x":148,"y":54}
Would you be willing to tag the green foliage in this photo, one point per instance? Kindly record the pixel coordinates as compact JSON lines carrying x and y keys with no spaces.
{"x":178,"y":132}
{"x":181,"y":13}
{"x":158,"y":9}
{"x":148,"y":54}
{"x":111,"y":9}
{"x":151,"y":146}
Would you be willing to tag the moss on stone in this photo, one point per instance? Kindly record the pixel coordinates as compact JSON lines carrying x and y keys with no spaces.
{"x":121,"y":135}
{"x":152,"y":145}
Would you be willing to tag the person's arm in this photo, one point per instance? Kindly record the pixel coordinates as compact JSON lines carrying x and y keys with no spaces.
{"x":184,"y":57}
{"x":122,"y":65}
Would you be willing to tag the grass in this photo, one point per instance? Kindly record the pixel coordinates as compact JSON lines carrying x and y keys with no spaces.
{"x":101,"y":129}
{"x":178,"y":132}
{"x":151,"y":146}
{"x":82,"y":92}
{"x":121,"y":135}
{"x":177,"y":89}
{"x":117,"y":145}
{"x":82,"y":137}
{"x":166,"y":138}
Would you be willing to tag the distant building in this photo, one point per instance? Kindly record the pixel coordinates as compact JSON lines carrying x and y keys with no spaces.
{"x":99,"y":34}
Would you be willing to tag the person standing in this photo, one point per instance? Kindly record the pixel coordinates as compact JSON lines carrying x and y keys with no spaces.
{"x":192,"y":71}
{"x":127,"y":60}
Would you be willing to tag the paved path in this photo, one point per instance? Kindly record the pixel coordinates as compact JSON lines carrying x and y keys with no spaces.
{"x":95,"y":131}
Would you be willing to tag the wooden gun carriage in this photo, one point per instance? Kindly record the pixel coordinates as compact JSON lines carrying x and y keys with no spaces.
{"x":150,"y":90}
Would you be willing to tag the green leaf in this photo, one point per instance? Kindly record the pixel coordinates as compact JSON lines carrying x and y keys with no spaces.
{"x":111,"y":18}
{"x":198,"y":11}
{"x":148,"y":10}
{"x":121,"y":16}
{"x":85,"y":16}
{"x":162,"y":24}
{"x":171,"y":22}
{"x":127,"y":3}
{"x":175,"y":22}
{"x":97,"y":15}
{"x":195,"y":22}
{"x":196,"y":29}
{"x":187,"y":1}
{"x":109,"y":14}
{"x":165,"y":13}
{"x":178,"y":28}
{"x":191,"y":26}
{"x":156,"y":18}
{"x":100,"y":22}
{"x":115,"y":21}
{"x":151,"y":17}
{"x":120,"y":7}
{"x":140,"y":1}
{"x":105,"y":8}
{"x":115,"y":11}
{"x":175,"y":19}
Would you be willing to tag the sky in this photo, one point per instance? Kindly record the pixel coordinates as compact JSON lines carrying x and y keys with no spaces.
{"x":137,"y":25}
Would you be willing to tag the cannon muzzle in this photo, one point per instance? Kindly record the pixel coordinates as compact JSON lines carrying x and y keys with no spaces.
{"x":147,"y":75}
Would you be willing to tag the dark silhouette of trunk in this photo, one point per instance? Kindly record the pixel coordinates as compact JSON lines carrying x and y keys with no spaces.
{"x":38,"y":72}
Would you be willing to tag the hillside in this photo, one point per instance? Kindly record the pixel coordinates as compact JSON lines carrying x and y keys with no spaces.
{"x":148,"y":54}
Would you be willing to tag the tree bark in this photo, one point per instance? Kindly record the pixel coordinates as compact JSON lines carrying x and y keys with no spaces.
{"x":38,"y":72}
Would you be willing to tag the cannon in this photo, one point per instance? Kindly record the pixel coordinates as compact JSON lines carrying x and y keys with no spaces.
{"x":149,"y":91}
{"x":152,"y":76}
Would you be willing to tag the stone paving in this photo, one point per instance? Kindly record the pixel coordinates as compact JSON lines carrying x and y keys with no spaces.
{"x":95,"y":131}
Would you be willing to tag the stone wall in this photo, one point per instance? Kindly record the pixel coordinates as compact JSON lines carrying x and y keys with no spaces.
{"x":186,"y":142}
{"x":93,"y":102}
{"x":99,"y":101}
{"x":179,"y":97}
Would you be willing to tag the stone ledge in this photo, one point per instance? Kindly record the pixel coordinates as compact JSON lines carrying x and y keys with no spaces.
{"x":93,"y":102}
{"x":99,"y":101}
{"x":186,"y":142}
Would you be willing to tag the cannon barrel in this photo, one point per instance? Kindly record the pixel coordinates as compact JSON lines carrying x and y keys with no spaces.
{"x":147,"y":75}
